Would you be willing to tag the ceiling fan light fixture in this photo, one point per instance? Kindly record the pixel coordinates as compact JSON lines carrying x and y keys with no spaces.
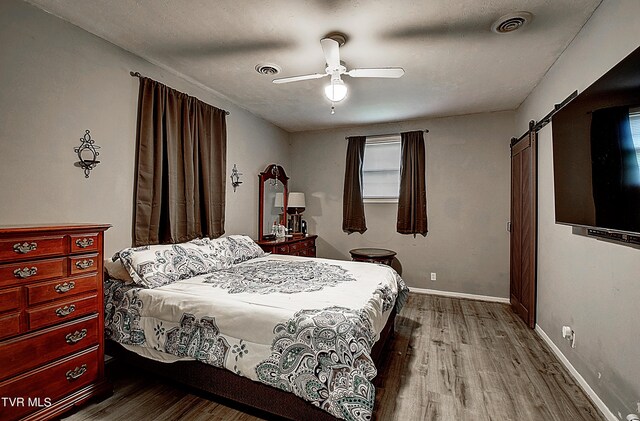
{"x":336,"y":91}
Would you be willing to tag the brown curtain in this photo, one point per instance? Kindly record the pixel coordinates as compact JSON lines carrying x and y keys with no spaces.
{"x":352,"y":205}
{"x":412,"y":201}
{"x":181,"y":167}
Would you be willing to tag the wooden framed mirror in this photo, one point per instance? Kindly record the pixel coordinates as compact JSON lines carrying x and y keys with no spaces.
{"x":272,"y":199}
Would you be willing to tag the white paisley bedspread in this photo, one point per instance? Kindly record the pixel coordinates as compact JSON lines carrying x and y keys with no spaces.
{"x":303,"y":325}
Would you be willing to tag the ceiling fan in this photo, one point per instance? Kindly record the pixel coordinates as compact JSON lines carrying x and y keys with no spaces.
{"x":337,"y":90}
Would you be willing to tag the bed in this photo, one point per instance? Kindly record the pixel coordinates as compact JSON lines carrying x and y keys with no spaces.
{"x":294,"y":336}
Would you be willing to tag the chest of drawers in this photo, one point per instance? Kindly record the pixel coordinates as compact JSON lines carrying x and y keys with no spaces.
{"x":296,"y":246}
{"x":51,"y":322}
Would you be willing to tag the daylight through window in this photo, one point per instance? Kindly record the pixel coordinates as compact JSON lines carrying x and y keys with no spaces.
{"x":381,"y":169}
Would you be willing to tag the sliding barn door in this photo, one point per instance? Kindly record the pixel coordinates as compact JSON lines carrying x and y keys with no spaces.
{"x":523,"y":228}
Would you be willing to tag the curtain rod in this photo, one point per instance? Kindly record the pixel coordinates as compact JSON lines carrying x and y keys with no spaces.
{"x":387,"y":134}
{"x":137,"y":74}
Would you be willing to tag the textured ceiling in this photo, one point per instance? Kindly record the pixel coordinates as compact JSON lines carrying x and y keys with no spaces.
{"x":454,"y":64}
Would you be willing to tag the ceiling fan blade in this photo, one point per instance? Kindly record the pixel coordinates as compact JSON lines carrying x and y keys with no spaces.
{"x":297,"y":78}
{"x":331,"y":50}
{"x":390,"y":72}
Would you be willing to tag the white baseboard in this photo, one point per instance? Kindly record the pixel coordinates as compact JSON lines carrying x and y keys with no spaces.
{"x":581,"y":381}
{"x":459,"y":295}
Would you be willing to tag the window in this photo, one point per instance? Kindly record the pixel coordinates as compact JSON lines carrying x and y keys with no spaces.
{"x":381,"y":169}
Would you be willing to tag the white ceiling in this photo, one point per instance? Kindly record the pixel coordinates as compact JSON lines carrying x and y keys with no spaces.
{"x":454,"y":64}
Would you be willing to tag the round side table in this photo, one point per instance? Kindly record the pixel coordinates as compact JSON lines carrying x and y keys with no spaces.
{"x":373,"y":255}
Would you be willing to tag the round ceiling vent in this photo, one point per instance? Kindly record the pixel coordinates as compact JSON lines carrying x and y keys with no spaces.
{"x":268,"y":69}
{"x":511,"y":22}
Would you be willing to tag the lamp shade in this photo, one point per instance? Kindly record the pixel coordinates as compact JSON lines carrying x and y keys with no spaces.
{"x":296,"y":200}
{"x":279,"y":200}
{"x":336,"y":90}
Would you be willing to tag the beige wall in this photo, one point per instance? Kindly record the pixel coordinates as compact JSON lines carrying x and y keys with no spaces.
{"x":592,"y":285}
{"x":57,"y":81}
{"x":467,"y":194}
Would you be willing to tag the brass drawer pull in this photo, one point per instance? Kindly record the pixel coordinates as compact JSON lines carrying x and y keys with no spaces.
{"x":75,"y":337}
{"x":84,"y":264}
{"x":25,"y":272}
{"x":65,"y":311}
{"x":83,"y":243}
{"x":76,"y":372}
{"x":25,"y":247}
{"x":66,"y":287}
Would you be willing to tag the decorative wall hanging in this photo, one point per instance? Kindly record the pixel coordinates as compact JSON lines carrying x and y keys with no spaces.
{"x":235,"y":178}
{"x":87,"y":153}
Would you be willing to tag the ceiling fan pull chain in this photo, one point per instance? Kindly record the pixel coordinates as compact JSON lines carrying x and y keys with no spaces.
{"x":333,"y":109}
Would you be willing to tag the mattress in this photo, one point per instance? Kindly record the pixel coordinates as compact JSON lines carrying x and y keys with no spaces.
{"x":303,"y":325}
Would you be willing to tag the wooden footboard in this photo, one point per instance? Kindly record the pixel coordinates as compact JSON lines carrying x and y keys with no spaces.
{"x":224,"y":383}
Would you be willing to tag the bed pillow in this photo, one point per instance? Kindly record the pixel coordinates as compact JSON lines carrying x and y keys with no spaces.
{"x":157,"y":265}
{"x":235,"y":249}
{"x":116,"y":270}
{"x":244,"y":248}
{"x":222,"y":250}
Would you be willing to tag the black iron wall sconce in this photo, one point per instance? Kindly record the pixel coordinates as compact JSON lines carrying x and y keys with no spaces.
{"x":235,"y":178}
{"x":87,"y":153}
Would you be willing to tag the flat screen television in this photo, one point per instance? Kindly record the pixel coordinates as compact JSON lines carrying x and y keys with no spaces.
{"x":596,"y":153}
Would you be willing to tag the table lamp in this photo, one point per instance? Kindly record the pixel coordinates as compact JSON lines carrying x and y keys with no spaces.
{"x":295,"y":206}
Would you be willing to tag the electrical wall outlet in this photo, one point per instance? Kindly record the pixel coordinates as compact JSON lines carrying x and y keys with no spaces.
{"x":433,"y":276}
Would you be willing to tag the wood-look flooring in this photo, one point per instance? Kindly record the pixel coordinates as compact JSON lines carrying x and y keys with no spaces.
{"x":451,"y":359}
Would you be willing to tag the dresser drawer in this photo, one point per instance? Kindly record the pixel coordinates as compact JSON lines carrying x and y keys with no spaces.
{"x":10,"y":299}
{"x":281,"y":249}
{"x":84,"y":243}
{"x":294,"y":248}
{"x":62,"y":310}
{"x":30,"y":247}
{"x":83,"y":264}
{"x":20,"y":273}
{"x":307,"y":252}
{"x":47,"y":345}
{"x":308,"y":243}
{"x":9,"y":325}
{"x":61,"y":288}
{"x":48,"y":383}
